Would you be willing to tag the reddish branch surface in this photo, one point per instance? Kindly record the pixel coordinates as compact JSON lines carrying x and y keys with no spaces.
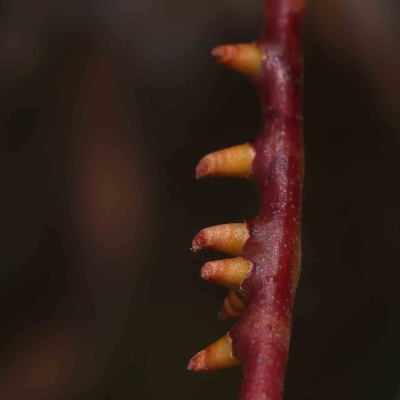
{"x":264,"y":292}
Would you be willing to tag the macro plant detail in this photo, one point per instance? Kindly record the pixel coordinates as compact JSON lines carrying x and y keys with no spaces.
{"x":263,"y":275}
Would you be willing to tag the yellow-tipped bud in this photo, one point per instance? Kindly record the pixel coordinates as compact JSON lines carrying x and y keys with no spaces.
{"x":235,"y":162}
{"x":227,"y":238}
{"x":230,"y":273}
{"x":244,"y":58}
{"x":216,"y":356}
{"x":232,"y":306}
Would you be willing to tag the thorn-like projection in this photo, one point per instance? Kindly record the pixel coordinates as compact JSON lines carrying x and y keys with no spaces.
{"x":232,"y":306}
{"x":263,"y":277}
{"x":244,"y":58}
{"x":230,"y":273}
{"x":227,"y":238}
{"x":216,"y":356}
{"x":234,"y":162}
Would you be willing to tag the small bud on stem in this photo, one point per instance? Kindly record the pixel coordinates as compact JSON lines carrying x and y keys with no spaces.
{"x":235,"y":162}
{"x":228,"y":238}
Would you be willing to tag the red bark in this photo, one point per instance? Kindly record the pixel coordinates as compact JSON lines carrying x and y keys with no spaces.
{"x":261,"y":337}
{"x":275,"y":161}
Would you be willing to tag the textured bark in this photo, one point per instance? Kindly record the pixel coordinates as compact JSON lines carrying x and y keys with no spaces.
{"x":264,"y":289}
{"x":261,"y":337}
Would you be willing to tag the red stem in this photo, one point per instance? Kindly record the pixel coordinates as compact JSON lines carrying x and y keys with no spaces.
{"x":261,"y":337}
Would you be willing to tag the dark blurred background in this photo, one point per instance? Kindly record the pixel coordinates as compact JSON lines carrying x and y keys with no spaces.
{"x":106,"y":107}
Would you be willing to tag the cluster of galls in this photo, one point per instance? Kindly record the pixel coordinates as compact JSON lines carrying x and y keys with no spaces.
{"x":234,"y":162}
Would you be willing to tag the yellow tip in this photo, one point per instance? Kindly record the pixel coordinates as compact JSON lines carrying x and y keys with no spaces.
{"x":232,"y":306}
{"x":244,"y":58}
{"x":234,"y":162}
{"x":216,"y":356}
{"x":227,"y":238}
{"x":230,"y":273}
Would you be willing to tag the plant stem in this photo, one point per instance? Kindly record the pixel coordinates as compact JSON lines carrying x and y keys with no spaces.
{"x":261,"y":338}
{"x":263,"y":280}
